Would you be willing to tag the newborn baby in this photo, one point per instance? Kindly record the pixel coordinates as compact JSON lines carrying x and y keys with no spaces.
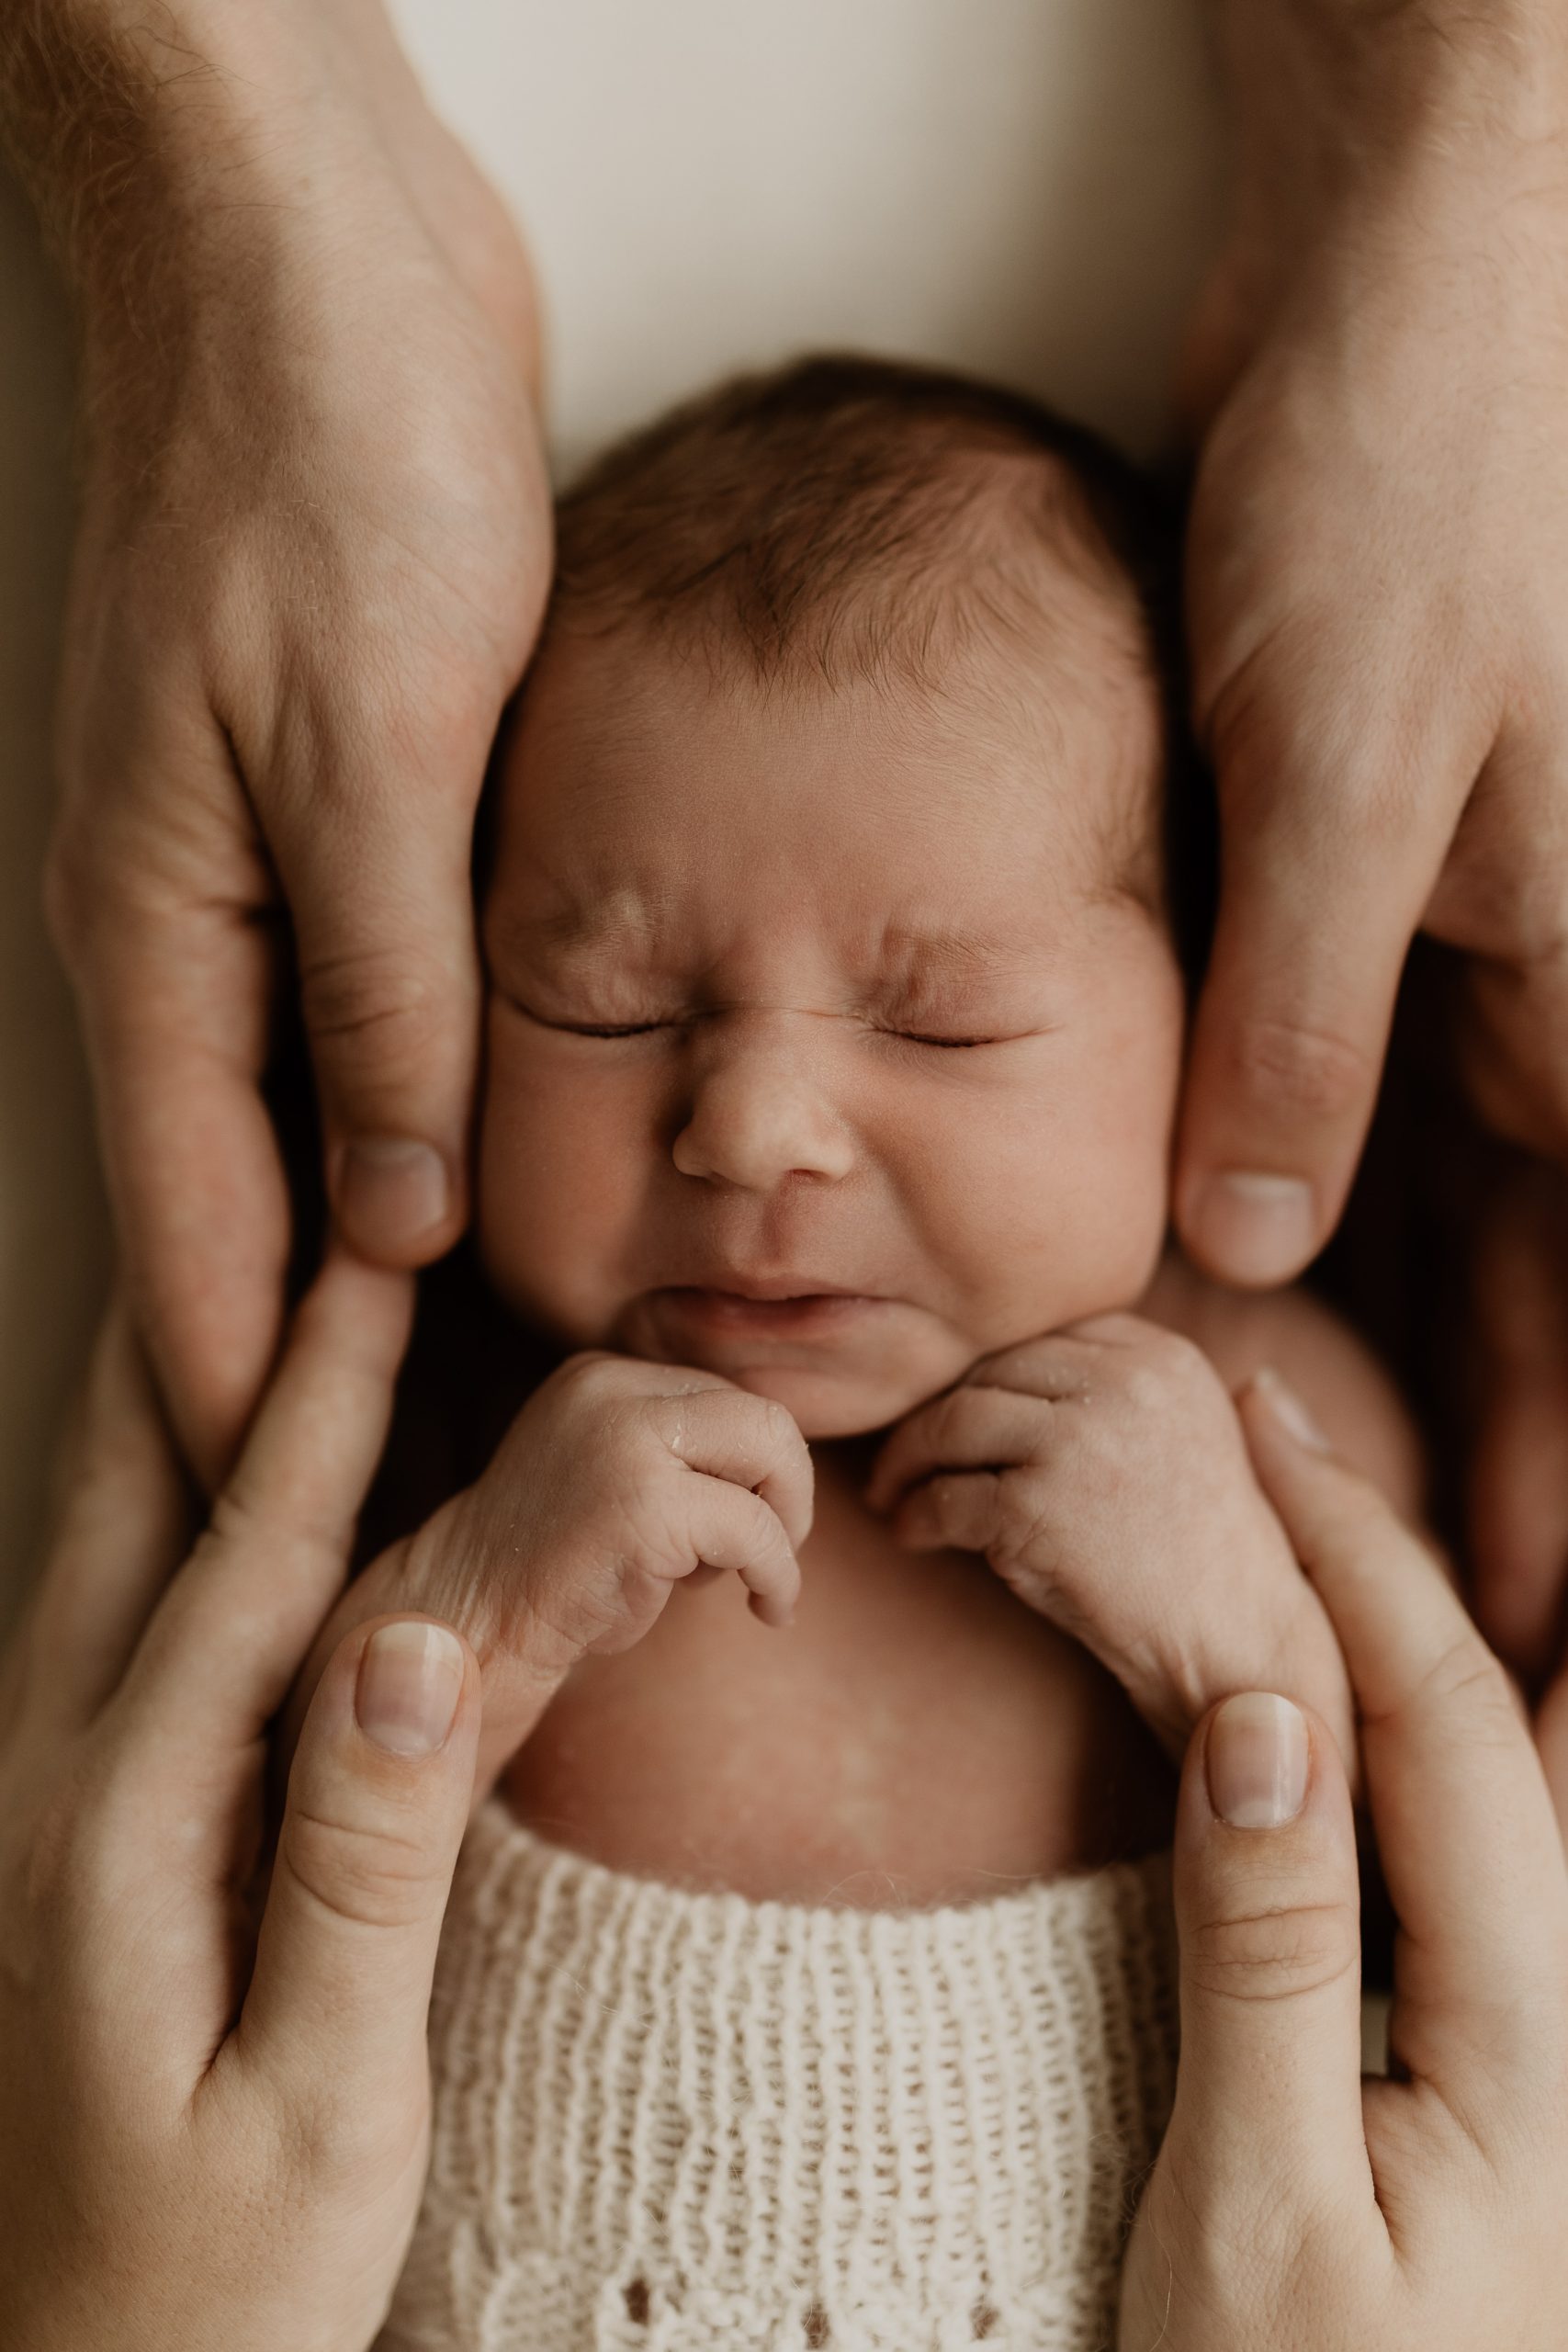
{"x":835,"y":1024}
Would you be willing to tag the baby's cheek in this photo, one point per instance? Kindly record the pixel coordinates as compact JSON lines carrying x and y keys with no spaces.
{"x":554,"y":1193}
{"x":1066,"y":1207}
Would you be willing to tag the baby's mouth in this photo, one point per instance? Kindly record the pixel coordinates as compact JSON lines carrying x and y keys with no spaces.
{"x":761,"y":1308}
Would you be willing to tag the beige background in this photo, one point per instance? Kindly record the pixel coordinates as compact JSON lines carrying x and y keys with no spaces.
{"x":1025,"y":187}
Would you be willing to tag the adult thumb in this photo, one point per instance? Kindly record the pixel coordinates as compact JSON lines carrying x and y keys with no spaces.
{"x":1267,"y":2120}
{"x":382,"y":907}
{"x":1321,"y":892}
{"x":377,"y":1801}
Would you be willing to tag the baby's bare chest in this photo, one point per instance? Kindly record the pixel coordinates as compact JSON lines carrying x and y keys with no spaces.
{"x":917,"y":1736}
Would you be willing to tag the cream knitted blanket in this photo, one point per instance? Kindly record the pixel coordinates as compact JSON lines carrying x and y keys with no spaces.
{"x":669,"y":2122}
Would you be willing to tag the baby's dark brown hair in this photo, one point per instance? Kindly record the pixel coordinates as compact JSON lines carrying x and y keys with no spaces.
{"x":851,"y":515}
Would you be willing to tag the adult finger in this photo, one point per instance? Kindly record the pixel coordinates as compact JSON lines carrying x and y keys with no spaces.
{"x":1516,"y":1511}
{"x":123,"y":1528}
{"x":230,"y":1633}
{"x":1551,"y":1744}
{"x":1465,"y":1827}
{"x":378,"y":886}
{"x":1323,"y":879}
{"x":377,"y":1802}
{"x":1267,"y":2119}
{"x":1517,"y":1486}
{"x":175,"y":992}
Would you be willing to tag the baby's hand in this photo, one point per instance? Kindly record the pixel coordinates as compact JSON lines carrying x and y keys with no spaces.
{"x":616,"y":1481}
{"x":1102,"y":1472}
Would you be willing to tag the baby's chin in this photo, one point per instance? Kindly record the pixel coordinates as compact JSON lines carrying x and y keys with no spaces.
{"x":825,"y":1404}
{"x":852,"y":1370}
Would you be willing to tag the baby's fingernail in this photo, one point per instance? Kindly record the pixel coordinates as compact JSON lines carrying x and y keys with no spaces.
{"x":1256,"y":1228}
{"x":1288,"y":1408}
{"x":391,"y":1193}
{"x":411,"y":1677}
{"x":1256,"y":1761}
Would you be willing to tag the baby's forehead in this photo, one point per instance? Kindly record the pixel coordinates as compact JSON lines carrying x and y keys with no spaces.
{"x":644,"y":781}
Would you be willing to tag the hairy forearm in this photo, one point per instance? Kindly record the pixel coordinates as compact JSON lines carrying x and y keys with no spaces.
{"x":1331,"y":98}
{"x":133,"y":121}
{"x":105,"y":107}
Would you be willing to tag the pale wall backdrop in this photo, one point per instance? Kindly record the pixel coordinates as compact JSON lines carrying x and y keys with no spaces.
{"x":1023,"y":187}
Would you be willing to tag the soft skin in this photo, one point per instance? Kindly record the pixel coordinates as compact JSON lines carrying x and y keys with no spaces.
{"x":257,"y":2197}
{"x":904,"y":1028}
{"x":214,"y":2080}
{"x":1294,"y":2202}
{"x":724,"y":1057}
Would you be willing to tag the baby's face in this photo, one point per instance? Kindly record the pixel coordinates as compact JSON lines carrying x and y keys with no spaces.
{"x":826,"y":1049}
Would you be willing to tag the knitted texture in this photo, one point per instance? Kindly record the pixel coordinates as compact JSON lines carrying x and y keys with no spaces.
{"x":679,"y":2122}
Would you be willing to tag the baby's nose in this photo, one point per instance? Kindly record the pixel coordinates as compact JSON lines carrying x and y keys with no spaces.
{"x":759,"y":1111}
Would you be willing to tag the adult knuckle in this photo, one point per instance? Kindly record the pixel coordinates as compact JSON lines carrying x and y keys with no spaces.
{"x":1279,"y":1952}
{"x":83,"y":1843}
{"x":379,"y":997}
{"x":1466,"y":1682}
{"x":1299,"y":1068}
{"x":361,"y":1874}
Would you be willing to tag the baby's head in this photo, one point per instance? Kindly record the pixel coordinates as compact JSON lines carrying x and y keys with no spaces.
{"x":835,"y":1020}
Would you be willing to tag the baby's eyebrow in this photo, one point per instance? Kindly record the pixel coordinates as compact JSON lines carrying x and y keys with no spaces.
{"x":579,"y":928}
{"x":915,"y":962}
{"x":895,"y":965}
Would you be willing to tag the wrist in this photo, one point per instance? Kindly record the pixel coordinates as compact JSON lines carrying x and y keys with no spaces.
{"x":146,"y":135}
{"x":1337,"y":108}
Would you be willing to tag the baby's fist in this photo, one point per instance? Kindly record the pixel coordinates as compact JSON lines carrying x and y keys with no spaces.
{"x":618,"y":1480}
{"x":1103,"y":1473}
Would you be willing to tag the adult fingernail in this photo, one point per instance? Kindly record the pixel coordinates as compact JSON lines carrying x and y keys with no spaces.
{"x":411,"y":1677}
{"x":390,"y":1193}
{"x":1289,"y":1410}
{"x":1253,"y":1228}
{"x":1256,"y":1761}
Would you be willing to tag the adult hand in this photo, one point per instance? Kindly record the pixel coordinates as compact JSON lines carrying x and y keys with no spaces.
{"x":213,"y":2134}
{"x":313,"y":547}
{"x":1291,"y":2203}
{"x":1378,"y":570}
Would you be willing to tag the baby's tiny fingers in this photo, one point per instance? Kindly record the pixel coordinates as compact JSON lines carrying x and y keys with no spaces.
{"x":730,"y":1528}
{"x":749,"y":1440}
{"x":952,"y":1512}
{"x":1063,"y":1366}
{"x":970,"y":1428}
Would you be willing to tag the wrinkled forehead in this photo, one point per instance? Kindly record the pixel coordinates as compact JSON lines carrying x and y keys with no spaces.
{"x":645,"y":785}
